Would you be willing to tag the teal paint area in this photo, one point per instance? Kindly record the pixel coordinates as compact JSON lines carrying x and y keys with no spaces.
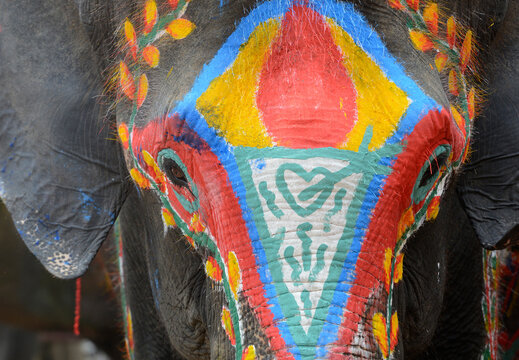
{"x":305,"y":204}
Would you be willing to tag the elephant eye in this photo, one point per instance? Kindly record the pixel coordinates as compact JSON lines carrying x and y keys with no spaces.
{"x":175,"y":173}
{"x":430,"y":172}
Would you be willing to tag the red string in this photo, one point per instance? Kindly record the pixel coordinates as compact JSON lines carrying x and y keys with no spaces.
{"x":78,"y":307}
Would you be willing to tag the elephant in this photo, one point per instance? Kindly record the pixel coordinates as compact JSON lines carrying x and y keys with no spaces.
{"x":289,"y":179}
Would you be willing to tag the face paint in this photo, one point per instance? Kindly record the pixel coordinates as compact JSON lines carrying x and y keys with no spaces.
{"x":293,"y":160}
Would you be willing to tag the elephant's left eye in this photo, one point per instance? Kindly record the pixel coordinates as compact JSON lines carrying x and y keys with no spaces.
{"x":430,"y":172}
{"x":175,"y":173}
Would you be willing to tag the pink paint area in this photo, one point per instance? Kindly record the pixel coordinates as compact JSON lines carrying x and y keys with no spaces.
{"x":306,"y":97}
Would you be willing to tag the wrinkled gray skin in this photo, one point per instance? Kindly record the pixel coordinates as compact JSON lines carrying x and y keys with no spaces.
{"x":32,"y":301}
{"x":54,"y":56}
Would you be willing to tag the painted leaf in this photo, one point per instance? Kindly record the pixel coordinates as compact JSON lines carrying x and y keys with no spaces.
{"x":394,"y":332}
{"x":440,"y":61}
{"x":396,"y":4}
{"x":433,"y":209}
{"x":414,"y":4}
{"x":451,"y":32}
{"x":213,"y":269}
{"x":460,"y":121}
{"x":399,"y":268}
{"x":180,"y":28}
{"x":380,"y":333}
{"x":151,"y":55}
{"x":234,"y":273}
{"x":420,"y":40}
{"x":388,"y":257}
{"x":249,"y":353}
{"x":466,"y":51}
{"x":169,"y":220}
{"x":196,"y":224}
{"x":227,"y":325}
{"x":139,"y":179}
{"x":430,"y":15}
{"x":126,"y":81}
{"x":150,"y":15}
{"x":453,"y":83}
{"x":131,"y":38}
{"x":155,"y":171}
{"x":405,"y":222}
{"x":124,"y":135}
{"x":471,"y":103}
{"x":142,"y":92}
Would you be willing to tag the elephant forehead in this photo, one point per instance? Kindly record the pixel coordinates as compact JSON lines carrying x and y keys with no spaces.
{"x":310,"y":76}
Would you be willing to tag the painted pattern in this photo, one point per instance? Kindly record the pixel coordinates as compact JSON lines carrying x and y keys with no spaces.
{"x":307,"y":126}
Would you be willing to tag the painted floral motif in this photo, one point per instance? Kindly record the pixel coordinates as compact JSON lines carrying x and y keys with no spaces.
{"x":425,"y":36}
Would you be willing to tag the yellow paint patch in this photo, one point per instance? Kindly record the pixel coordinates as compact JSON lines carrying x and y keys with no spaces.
{"x":433,"y":209}
{"x":180,"y":28}
{"x":227,"y":325}
{"x":406,"y":221}
{"x":380,"y":102}
{"x":234,"y":273}
{"x":196,"y":224}
{"x":388,"y":256}
{"x":169,"y":220}
{"x":420,"y":40}
{"x":150,"y":15}
{"x":394,"y":332}
{"x":440,"y":61}
{"x":126,"y":80}
{"x":151,"y":55}
{"x":399,"y":268}
{"x":249,"y":353}
{"x":229,"y":104}
{"x":380,"y":333}
{"x":139,"y":178}
{"x":142,"y":92}
{"x":124,"y":135}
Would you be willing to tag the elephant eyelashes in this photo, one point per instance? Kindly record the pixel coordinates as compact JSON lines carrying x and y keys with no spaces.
{"x":175,"y":173}
{"x":430,"y":172}
{"x":433,"y":168}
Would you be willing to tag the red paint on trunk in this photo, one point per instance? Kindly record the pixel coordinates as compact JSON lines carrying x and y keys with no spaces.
{"x":434,"y":129}
{"x":306,"y":95}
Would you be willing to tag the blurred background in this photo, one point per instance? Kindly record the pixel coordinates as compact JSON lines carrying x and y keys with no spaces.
{"x":37,"y":309}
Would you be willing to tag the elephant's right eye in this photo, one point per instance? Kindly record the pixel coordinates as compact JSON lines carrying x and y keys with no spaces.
{"x":175,"y":173}
{"x":430,"y":172}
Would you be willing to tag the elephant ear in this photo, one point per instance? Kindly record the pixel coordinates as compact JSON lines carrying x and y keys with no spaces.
{"x":61,"y":174}
{"x":489,"y":186}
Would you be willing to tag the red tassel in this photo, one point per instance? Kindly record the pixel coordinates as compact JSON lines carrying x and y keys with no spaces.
{"x":77,"y":309}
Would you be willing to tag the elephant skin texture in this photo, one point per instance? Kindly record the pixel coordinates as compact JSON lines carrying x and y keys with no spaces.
{"x":291,"y":179}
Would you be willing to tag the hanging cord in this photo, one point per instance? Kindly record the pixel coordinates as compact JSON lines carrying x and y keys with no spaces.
{"x":77,"y":308}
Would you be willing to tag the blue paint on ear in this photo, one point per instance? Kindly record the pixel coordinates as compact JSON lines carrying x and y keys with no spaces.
{"x":156,"y":288}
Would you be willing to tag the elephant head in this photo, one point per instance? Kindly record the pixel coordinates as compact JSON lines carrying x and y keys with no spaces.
{"x":285,"y":156}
